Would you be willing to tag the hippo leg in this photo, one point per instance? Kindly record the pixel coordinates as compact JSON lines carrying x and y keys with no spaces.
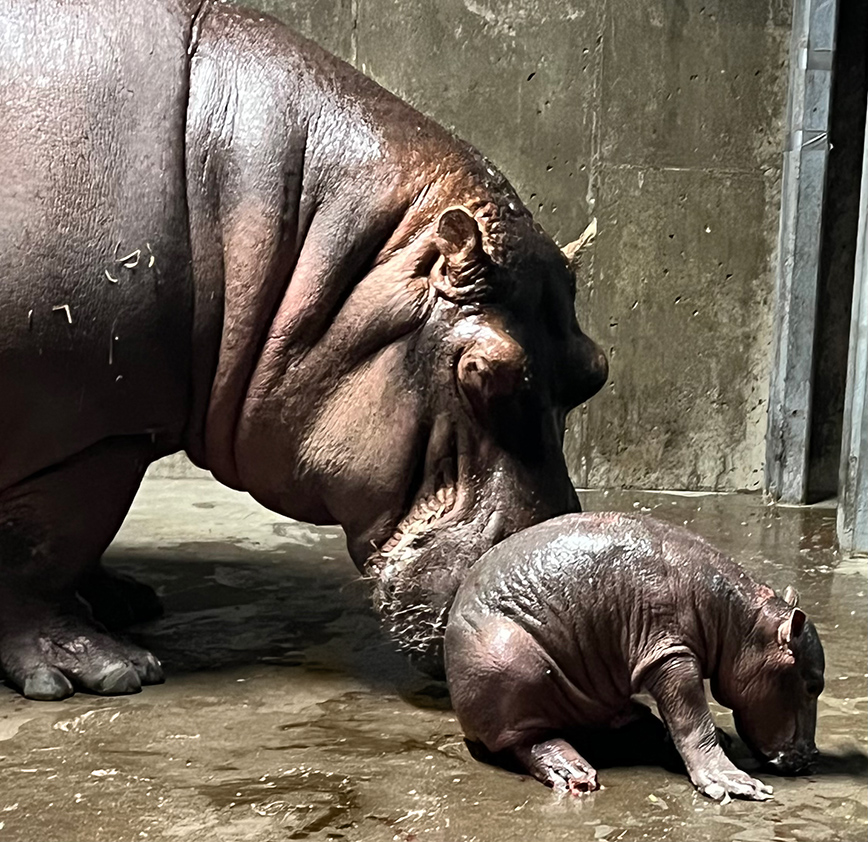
{"x":640,"y":713}
{"x":636,"y":713}
{"x":54,"y":526}
{"x":117,"y":600}
{"x":676,"y":685}
{"x":558,"y":765}
{"x":513,"y":698}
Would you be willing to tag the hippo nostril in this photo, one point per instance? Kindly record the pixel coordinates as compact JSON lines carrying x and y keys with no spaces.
{"x":598,"y":373}
{"x":586,"y":373}
{"x":777,"y":761}
{"x":602,"y":366}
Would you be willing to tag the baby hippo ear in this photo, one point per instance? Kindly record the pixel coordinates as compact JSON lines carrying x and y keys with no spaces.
{"x":792,"y":627}
{"x":459,"y":239}
{"x":791,"y":596}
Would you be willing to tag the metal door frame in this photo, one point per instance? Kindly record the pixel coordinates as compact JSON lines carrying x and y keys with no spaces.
{"x":812,"y":52}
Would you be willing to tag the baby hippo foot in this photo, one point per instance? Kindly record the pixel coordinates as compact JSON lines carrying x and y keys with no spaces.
{"x":118,"y":600}
{"x":558,"y":765}
{"x":50,"y":654}
{"x":724,"y":784}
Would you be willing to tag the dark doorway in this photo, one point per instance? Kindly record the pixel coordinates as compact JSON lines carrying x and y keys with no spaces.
{"x":838,"y":248}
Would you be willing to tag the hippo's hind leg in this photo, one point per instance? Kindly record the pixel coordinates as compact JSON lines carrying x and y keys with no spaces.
{"x":54,"y":526}
{"x":510,"y":696}
{"x":557,"y":764}
{"x":117,"y":600}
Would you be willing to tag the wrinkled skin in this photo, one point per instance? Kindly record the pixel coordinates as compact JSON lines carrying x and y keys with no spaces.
{"x":216,"y":237}
{"x":556,"y":628}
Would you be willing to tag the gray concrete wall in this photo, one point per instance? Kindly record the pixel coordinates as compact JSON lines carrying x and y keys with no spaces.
{"x":662,"y":118}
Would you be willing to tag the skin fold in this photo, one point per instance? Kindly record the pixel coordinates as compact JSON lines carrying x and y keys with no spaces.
{"x":217,"y":237}
{"x":555,"y":630}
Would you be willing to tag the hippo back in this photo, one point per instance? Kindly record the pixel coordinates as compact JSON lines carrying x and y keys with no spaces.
{"x":95,"y":295}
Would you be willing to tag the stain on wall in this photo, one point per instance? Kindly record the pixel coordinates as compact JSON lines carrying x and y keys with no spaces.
{"x":664,"y":119}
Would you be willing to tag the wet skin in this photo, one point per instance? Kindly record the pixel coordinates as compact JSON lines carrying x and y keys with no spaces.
{"x":217,"y":237}
{"x":556,"y":628}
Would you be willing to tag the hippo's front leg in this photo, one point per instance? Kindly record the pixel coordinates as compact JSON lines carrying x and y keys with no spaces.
{"x":676,"y":685}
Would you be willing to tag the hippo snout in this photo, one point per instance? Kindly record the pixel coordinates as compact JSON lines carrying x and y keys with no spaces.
{"x":794,"y":761}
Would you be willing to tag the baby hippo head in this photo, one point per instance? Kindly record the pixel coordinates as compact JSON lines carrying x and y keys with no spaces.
{"x":773,"y":685}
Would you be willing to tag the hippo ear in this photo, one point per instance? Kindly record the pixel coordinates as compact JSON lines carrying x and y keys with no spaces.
{"x":792,"y":627}
{"x":791,"y":596}
{"x":459,"y":239}
{"x":586,"y":239}
{"x":490,"y":368}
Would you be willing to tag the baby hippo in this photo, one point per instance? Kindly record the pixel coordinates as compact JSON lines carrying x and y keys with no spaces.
{"x":556,"y":628}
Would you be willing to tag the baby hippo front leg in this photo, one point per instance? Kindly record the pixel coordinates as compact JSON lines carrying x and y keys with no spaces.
{"x":510,"y":696}
{"x":676,"y":685}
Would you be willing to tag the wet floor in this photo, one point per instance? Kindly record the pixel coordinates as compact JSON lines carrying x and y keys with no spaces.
{"x":286,"y":716}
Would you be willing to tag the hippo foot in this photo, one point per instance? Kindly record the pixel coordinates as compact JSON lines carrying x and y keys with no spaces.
{"x":725,"y":784}
{"x":48,"y":654}
{"x":558,"y":765}
{"x":118,"y":600}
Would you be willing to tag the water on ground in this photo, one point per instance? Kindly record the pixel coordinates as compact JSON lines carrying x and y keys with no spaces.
{"x":285,"y":714}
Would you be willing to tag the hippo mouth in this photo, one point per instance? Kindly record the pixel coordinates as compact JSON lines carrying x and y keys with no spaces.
{"x":429,"y":509}
{"x":790,"y":763}
{"x":416,"y":570}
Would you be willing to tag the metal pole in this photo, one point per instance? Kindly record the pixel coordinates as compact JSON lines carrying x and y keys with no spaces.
{"x":804,"y":179}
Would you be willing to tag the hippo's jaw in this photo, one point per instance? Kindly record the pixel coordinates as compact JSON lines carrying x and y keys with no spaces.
{"x":799,"y":761}
{"x":414,"y":578}
{"x":794,"y":756}
{"x":471,"y":496}
{"x":415,"y":584}
{"x":440,"y":498}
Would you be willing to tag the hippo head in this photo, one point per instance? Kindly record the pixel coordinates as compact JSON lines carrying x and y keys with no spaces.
{"x":428,"y":417}
{"x":496,"y":366}
{"x":774,"y":685}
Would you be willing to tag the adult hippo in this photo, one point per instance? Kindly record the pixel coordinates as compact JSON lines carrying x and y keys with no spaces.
{"x":216,"y":237}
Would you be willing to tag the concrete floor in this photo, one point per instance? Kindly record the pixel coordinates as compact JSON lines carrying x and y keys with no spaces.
{"x":286,"y":716}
